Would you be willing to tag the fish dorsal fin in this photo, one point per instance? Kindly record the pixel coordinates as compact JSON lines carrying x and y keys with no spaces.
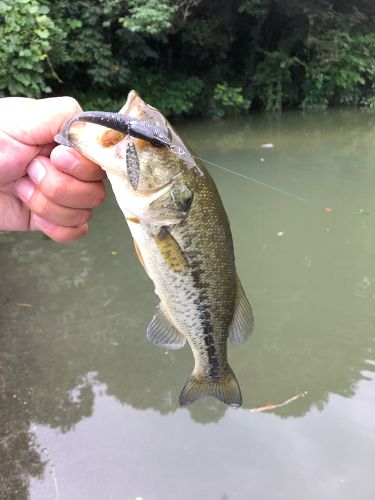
{"x":162,"y":332}
{"x":242,"y":322}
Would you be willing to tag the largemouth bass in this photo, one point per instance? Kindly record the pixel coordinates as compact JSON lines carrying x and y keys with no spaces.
{"x":183,"y":240}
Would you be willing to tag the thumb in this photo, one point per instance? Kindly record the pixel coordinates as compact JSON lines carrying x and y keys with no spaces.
{"x":35,"y":121}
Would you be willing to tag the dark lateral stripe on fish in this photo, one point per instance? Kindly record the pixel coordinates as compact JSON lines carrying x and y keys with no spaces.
{"x":181,"y":230}
{"x":205,"y":317}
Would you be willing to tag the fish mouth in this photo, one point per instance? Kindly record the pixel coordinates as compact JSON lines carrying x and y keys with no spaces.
{"x":103,"y":137}
{"x":134,"y":105}
{"x":127,"y":121}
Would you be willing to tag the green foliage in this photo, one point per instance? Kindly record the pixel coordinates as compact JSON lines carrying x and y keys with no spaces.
{"x":191,"y":57}
{"x":272,"y":84}
{"x":149,"y":16}
{"x":368,"y":102}
{"x":27,"y":35}
{"x":258,"y":8}
{"x":228,"y":100}
{"x":207,"y":39}
{"x":91,"y":58}
{"x":173,"y":94}
{"x":341,"y":69}
{"x":98,"y":102}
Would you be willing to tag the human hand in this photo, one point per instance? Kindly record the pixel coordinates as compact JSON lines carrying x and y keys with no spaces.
{"x":44,"y":187}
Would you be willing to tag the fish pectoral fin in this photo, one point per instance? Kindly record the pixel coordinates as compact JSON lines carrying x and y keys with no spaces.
{"x":139,"y":255}
{"x":171,"y":251}
{"x":242,"y":322}
{"x":162,"y":332}
{"x":226,"y":389}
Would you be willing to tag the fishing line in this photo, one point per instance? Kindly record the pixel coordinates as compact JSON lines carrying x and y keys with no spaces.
{"x":181,"y":152}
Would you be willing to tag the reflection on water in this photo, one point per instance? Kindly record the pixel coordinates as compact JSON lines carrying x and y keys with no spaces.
{"x":260,"y":456}
{"x":76,"y":372}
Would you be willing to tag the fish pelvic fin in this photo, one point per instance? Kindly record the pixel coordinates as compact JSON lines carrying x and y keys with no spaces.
{"x":243,"y":321}
{"x":226,"y":389}
{"x":162,"y":332}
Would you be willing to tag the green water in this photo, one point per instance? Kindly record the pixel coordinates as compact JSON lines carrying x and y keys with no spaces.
{"x":89,"y":409}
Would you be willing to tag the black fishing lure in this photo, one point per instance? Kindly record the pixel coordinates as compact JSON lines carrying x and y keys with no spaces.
{"x":116,"y":121}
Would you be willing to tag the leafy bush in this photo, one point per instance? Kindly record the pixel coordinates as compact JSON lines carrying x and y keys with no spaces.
{"x":272,"y":83}
{"x":173,"y":94}
{"x":228,"y":100}
{"x":341,"y":70}
{"x":149,"y":16}
{"x":191,"y":57}
{"x":28,"y":34}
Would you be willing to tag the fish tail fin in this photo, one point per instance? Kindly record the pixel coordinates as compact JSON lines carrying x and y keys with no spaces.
{"x":226,"y":389}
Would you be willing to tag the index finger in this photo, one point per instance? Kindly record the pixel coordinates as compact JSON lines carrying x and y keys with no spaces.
{"x":35,"y":122}
{"x":72,"y":162}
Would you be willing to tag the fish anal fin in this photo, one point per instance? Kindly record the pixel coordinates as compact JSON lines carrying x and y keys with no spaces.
{"x":162,"y":332}
{"x":226,"y":389}
{"x":242,"y":322}
{"x":171,"y":252}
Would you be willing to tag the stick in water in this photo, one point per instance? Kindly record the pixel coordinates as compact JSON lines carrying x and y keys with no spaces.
{"x":271,"y":406}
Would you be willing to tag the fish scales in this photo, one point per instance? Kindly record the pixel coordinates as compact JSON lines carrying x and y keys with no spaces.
{"x":183,"y":239}
{"x":201,"y":300}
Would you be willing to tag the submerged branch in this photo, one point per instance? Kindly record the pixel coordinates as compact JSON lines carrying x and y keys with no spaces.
{"x":271,"y":406}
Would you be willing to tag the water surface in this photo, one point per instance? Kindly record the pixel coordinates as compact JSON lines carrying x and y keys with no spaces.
{"x":89,"y":409}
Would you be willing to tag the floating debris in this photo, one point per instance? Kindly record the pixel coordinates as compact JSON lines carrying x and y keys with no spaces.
{"x":268,"y":145}
{"x":280,"y":233}
{"x":361,"y":211}
{"x":272,"y":406}
{"x":262,"y":159}
{"x":113,"y":252}
{"x":20,"y":304}
{"x":328,"y":210}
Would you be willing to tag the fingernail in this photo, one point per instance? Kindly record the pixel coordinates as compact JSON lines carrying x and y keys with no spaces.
{"x":42,"y":223}
{"x":25,"y":189}
{"x":36,"y":171}
{"x":65,"y":159}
